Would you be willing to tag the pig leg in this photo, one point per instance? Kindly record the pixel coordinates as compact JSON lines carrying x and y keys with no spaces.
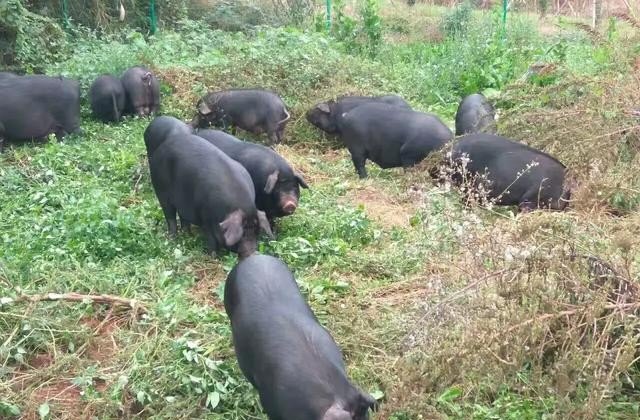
{"x":212,"y":243}
{"x":1,"y":138}
{"x":185,"y":225}
{"x":280,"y":133}
{"x":170,"y":216}
{"x":273,"y":226}
{"x":359,"y":157}
{"x":273,"y":138}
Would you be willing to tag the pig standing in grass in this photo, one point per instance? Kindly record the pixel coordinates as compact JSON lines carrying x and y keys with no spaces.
{"x":142,"y":91}
{"x":32,"y":107}
{"x":204,"y":186}
{"x":277,"y":185}
{"x":107,"y":98}
{"x":390,"y":136}
{"x":325,"y":115}
{"x":254,"y":110}
{"x":284,"y":352}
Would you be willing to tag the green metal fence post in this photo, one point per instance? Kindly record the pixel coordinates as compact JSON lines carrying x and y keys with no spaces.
{"x":65,"y":14}
{"x":153,"y":20}
{"x":505,"y":3}
{"x":328,"y":14}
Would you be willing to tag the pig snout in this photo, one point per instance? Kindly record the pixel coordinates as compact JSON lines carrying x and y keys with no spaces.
{"x":289,"y":205}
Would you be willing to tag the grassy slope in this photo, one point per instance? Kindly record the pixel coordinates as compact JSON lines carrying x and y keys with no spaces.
{"x":448,"y":311}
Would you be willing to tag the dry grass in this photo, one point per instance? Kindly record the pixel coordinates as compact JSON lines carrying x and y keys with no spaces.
{"x":590,"y":125}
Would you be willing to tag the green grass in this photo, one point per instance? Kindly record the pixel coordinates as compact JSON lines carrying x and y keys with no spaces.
{"x":424,"y":295}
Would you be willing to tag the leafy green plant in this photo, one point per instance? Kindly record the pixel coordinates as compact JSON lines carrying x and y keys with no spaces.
{"x":456,"y":22}
{"x":38,"y":40}
{"x":372,"y":25}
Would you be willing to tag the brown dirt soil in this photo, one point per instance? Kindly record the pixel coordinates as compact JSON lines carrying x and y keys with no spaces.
{"x":380,"y":206}
{"x":64,"y":398}
{"x":301,"y":161}
{"x":102,"y":347}
{"x":209,"y":276}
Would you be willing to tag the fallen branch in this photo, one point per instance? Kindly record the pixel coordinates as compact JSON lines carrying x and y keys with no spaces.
{"x":78,"y":297}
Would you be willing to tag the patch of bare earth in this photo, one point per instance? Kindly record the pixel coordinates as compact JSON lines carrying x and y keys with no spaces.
{"x":209,"y":277}
{"x":380,"y":206}
{"x":303,"y":161}
{"x":48,"y":378}
{"x":102,"y":347}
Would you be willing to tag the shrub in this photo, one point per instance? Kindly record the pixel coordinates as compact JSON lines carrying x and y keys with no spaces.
{"x":34,"y":40}
{"x":457,"y":21}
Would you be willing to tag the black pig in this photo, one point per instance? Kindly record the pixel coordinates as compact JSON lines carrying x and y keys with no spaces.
{"x":142,"y":91}
{"x":284,"y":352}
{"x":514,"y":173}
{"x":277,"y":185}
{"x":254,"y":110}
{"x":475,"y":115}
{"x":325,"y":115}
{"x":107,"y":98}
{"x":204,"y":186}
{"x":32,"y":107}
{"x":390,"y":136}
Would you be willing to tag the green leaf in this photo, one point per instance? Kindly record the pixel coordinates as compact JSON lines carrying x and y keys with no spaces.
{"x":377,"y":394}
{"x":450,"y":394}
{"x":140,"y":396}
{"x":43,"y":410}
{"x":213,"y":399}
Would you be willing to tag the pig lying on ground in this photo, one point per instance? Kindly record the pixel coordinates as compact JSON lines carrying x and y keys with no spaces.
{"x":511,"y":173}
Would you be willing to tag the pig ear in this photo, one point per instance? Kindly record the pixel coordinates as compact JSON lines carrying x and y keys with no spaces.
{"x":335,"y":412}
{"x":324,"y":107}
{"x":271,"y":182}
{"x":300,"y":180}
{"x":264,"y":224}
{"x":232,"y":228}
{"x":203,"y":108}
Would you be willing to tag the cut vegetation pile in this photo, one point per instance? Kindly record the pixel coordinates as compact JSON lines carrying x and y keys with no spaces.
{"x":442,"y":310}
